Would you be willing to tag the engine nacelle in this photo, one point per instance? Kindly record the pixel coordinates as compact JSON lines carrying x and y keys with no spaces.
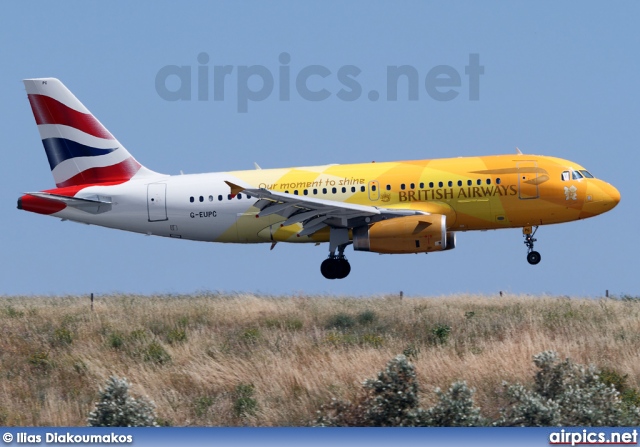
{"x":410,"y":234}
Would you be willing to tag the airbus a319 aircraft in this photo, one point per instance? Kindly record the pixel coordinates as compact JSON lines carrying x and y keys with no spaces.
{"x":412,"y":206}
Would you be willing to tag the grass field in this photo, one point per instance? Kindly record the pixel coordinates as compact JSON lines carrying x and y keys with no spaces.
{"x":241,"y":359}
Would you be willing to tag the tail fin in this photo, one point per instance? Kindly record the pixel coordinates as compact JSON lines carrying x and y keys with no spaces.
{"x":81,"y":151}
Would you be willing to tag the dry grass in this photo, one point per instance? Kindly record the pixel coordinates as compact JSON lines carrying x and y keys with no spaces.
{"x":189,"y":353}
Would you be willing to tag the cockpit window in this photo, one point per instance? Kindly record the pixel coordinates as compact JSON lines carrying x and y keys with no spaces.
{"x":565,"y":176}
{"x":586,"y":173}
{"x":576,"y":175}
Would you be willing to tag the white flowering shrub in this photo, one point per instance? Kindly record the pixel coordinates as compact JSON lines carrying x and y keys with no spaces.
{"x":455,"y":408}
{"x":565,"y":393}
{"x":116,"y":408}
{"x":390,"y":400}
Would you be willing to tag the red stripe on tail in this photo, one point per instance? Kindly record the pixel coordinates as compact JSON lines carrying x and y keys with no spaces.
{"x":118,"y":173}
{"x":47,"y":110}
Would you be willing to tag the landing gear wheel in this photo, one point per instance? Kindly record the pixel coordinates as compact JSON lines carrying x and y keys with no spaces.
{"x":328,"y":268}
{"x":335,"y":268}
{"x":344,"y":268}
{"x":533,"y":257}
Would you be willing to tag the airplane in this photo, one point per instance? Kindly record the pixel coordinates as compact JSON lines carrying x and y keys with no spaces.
{"x":414,"y":206}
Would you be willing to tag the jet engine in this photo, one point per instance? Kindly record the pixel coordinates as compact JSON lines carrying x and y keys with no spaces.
{"x":410,"y":234}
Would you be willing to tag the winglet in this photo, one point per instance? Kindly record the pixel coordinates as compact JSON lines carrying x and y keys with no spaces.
{"x":235,"y":189}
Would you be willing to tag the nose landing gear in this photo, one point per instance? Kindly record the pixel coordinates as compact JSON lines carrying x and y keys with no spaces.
{"x":533,"y":257}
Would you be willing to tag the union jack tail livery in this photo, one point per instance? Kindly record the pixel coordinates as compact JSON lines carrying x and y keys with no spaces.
{"x":394,"y":207}
{"x":81,"y":151}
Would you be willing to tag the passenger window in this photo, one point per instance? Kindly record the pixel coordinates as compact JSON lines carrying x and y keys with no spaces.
{"x":440,"y":184}
{"x":488,"y":181}
{"x":210,"y":198}
{"x":450,"y":183}
{"x":333,"y":190}
{"x":315,"y":191}
{"x":459,"y":182}
{"x":430,"y":184}
{"x":191,"y":199}
{"x":344,"y":189}
{"x":479,"y":182}
{"x":248,"y":197}
{"x":565,"y":176}
{"x":201,"y":199}
{"x":324,"y":190}
{"x":498,"y":181}
{"x":220,"y":197}
{"x":305,"y":192}
{"x":239,"y":196}
{"x":413,"y":186}
{"x":363,"y":189}
{"x":402,"y":186}
{"x":421,"y":185}
{"x":229,"y":197}
{"x":353,"y":189}
{"x":295,"y":192}
{"x":469,"y":183}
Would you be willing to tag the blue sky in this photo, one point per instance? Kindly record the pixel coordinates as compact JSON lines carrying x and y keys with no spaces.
{"x":559,"y":79}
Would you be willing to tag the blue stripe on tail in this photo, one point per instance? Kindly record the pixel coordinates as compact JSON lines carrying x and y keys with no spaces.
{"x":61,"y":149}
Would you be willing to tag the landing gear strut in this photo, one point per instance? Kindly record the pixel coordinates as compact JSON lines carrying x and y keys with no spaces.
{"x":336,"y":266}
{"x":533,"y":257}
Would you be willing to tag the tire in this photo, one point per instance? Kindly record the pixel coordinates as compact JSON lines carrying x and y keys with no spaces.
{"x":343,"y":268}
{"x":328,"y":268}
{"x":533,"y":257}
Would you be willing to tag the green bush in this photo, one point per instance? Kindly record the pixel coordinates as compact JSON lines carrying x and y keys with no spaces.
{"x":13,"y":313}
{"x":115,"y":340}
{"x":116,"y":408}
{"x":62,"y":337}
{"x":202,"y":404}
{"x":244,"y":403}
{"x":367,"y":317}
{"x":250,"y":335}
{"x":155,"y":353}
{"x":341,"y":321}
{"x":176,"y":335}
{"x":441,"y":333}
{"x":40,"y":360}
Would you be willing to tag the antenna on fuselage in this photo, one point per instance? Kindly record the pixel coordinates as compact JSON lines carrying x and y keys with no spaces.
{"x":256,"y":165}
{"x":518,"y":151}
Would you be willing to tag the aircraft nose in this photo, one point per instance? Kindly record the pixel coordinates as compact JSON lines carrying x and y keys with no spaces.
{"x":612,"y":194}
{"x":601,"y":197}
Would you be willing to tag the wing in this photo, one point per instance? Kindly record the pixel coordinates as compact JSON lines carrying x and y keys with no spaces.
{"x":315,"y":214}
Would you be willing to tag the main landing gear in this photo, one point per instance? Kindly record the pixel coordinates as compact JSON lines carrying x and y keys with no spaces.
{"x":533,"y":257}
{"x":335,"y":266}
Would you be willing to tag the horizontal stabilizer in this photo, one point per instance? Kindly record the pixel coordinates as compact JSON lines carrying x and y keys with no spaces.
{"x":94,"y":204}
